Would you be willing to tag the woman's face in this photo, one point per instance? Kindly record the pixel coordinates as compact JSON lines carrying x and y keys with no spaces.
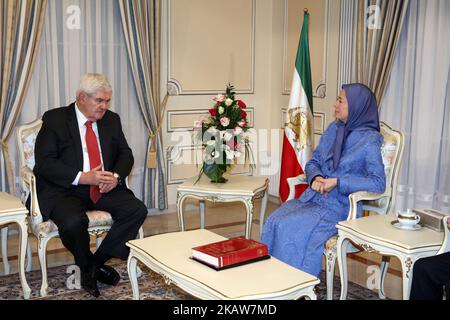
{"x":341,"y":107}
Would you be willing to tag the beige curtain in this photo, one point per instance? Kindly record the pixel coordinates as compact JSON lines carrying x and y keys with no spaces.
{"x":21,"y":23}
{"x":376,"y":41}
{"x":141,"y":20}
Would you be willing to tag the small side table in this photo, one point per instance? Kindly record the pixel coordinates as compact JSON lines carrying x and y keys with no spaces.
{"x":13,"y":211}
{"x":376,"y":234}
{"x":238,"y":188}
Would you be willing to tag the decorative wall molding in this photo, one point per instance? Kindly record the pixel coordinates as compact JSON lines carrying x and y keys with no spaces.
{"x":174,"y":154}
{"x":319,"y":88}
{"x":319,"y":122}
{"x":175,"y":87}
{"x":196,"y":114}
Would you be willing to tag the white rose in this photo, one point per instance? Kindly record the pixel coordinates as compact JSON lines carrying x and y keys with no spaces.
{"x":228,"y":102}
{"x":220,"y":109}
{"x":237,"y":130}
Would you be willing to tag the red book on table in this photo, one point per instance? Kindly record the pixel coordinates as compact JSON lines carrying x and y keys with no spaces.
{"x":230,"y":252}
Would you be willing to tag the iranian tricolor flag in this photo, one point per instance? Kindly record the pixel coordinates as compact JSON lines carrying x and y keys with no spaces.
{"x":298,"y":134}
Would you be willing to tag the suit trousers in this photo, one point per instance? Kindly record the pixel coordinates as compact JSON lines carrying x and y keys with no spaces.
{"x":430,"y":276}
{"x":69,"y":214}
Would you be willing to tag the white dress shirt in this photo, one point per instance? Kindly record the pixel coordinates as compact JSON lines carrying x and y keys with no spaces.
{"x":81,"y":119}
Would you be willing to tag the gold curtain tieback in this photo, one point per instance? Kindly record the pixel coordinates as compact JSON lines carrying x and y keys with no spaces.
{"x":152,"y":162}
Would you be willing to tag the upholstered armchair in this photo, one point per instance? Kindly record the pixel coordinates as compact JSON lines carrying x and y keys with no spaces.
{"x":446,"y":242}
{"x":380,"y":203}
{"x":99,"y":221}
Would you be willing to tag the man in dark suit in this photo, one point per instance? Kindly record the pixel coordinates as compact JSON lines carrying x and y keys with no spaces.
{"x":82,"y":157}
{"x":430,"y":276}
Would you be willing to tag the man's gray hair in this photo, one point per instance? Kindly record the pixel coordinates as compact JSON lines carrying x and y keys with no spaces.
{"x":91,"y":83}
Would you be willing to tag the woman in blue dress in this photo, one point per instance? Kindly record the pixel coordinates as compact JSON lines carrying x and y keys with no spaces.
{"x":347,"y":159}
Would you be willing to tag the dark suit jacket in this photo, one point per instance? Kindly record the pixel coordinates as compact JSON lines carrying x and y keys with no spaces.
{"x":59,"y":157}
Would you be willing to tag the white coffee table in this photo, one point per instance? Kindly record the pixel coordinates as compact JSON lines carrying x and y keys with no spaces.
{"x":13,"y":211}
{"x":169,"y":255}
{"x":244,"y":189}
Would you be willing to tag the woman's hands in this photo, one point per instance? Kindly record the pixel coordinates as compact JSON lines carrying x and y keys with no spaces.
{"x":324,"y":186}
{"x":317,"y":184}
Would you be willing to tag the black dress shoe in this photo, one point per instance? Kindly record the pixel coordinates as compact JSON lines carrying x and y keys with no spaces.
{"x":107,"y":275}
{"x":89,"y":282}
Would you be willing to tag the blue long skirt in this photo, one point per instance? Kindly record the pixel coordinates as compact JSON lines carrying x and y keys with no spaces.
{"x":296,"y":234}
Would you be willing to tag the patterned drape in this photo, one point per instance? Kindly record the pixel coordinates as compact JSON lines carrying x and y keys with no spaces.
{"x":141,"y":20}
{"x":21,"y":23}
{"x":376,"y":41}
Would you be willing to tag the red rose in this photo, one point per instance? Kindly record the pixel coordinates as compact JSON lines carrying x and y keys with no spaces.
{"x":213,"y":112}
{"x":241,"y":104}
{"x":243,"y":114}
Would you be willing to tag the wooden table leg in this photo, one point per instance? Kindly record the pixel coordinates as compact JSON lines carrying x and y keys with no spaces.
{"x":201,"y":205}
{"x":180,"y":200}
{"x":262,"y":212}
{"x":249,"y":220}
{"x":131,"y":268}
{"x":407,"y":266}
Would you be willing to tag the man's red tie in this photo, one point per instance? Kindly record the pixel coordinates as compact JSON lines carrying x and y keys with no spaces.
{"x":94,"y":159}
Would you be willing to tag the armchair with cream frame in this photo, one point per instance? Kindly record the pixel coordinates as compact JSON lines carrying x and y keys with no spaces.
{"x":445,"y":247}
{"x":381,"y":203}
{"x":99,"y":221}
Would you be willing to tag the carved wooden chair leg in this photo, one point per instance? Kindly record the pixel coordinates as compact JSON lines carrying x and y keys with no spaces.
{"x":42,"y":253}
{"x":330,"y":257}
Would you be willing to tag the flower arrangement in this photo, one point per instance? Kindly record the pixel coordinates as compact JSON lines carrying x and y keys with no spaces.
{"x":222,"y":135}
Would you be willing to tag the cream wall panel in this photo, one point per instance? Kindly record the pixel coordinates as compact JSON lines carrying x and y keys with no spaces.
{"x":266,"y":98}
{"x":182,"y":162}
{"x":211,"y":43}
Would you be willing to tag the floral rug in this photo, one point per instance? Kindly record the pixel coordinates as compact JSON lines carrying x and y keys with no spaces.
{"x":151,"y":287}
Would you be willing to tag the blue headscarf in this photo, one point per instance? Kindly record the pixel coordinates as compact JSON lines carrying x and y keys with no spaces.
{"x":362,"y":115}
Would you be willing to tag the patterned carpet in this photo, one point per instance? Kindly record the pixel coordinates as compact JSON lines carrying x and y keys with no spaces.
{"x":151,"y":285}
